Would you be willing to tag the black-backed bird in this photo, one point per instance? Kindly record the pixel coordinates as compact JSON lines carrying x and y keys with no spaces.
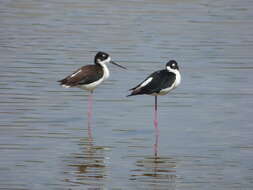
{"x":159,"y":83}
{"x":90,"y":76}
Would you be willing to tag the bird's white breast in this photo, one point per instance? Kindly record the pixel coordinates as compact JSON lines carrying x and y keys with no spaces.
{"x":106,"y":71}
{"x":178,"y":78}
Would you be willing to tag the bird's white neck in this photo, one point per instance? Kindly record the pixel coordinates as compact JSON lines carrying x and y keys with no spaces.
{"x":105,"y":69}
{"x":178,"y":76}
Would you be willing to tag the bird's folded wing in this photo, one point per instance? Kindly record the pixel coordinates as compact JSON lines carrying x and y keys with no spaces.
{"x":85,"y":75}
{"x":160,"y":80}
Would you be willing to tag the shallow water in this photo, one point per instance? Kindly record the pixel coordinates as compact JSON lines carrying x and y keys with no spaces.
{"x":205,"y":124}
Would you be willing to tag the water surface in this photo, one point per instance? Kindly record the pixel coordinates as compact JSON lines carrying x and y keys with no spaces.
{"x":205,"y":124}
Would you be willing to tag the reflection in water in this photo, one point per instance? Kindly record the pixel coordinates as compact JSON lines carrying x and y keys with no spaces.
{"x":156,"y":143}
{"x":41,"y":124}
{"x":88,"y":166}
{"x":155,"y":172}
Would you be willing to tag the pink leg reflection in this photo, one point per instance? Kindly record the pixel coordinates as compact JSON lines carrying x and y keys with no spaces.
{"x":156,"y":144}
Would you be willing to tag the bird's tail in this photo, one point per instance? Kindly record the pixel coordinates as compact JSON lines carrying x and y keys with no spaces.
{"x":63,"y":83}
{"x":134,"y":92}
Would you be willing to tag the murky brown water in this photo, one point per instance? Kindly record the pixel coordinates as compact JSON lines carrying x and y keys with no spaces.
{"x":206,"y":139}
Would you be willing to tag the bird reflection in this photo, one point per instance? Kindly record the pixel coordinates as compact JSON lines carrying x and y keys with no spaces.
{"x":88,"y":165}
{"x":156,"y":143}
{"x":155,"y":172}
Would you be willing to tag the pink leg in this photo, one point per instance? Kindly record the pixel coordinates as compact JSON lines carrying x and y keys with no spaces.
{"x":156,"y":127}
{"x":90,"y":115}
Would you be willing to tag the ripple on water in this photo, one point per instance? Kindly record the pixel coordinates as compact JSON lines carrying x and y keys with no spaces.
{"x":156,"y":172}
{"x":205,"y":124}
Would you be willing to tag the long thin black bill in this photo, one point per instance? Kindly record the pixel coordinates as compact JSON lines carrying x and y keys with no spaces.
{"x":112,"y":62}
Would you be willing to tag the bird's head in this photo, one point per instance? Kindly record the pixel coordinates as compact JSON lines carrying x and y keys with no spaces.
{"x":172,"y":66}
{"x":102,"y":58}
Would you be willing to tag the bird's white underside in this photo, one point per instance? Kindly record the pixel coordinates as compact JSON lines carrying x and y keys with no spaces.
{"x":91,"y":86}
{"x":65,"y":86}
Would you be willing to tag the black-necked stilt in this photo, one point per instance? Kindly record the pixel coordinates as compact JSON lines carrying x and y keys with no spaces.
{"x":159,"y":83}
{"x":90,"y":76}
